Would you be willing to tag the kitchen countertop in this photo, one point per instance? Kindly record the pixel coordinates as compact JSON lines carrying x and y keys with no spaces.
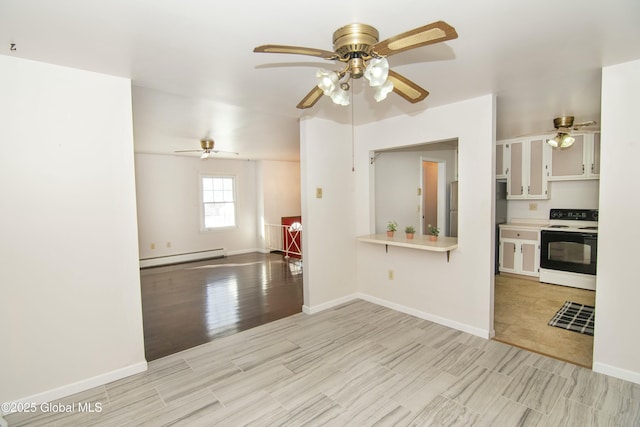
{"x":534,"y":224}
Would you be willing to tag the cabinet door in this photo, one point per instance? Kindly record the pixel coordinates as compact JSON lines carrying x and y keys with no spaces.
{"x":537,"y":185}
{"x":502,"y":160}
{"x":595,"y":155}
{"x":515,"y":184}
{"x":569,"y":162}
{"x":530,"y":261}
{"x":507,"y":256}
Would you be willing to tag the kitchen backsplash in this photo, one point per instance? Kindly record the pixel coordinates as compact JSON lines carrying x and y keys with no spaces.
{"x":564,"y":195}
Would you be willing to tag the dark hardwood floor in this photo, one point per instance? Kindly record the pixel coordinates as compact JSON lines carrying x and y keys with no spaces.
{"x":189,"y":304}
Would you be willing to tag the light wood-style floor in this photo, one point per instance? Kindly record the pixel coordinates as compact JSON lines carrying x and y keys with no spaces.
{"x":522,"y":309}
{"x":359,"y":364}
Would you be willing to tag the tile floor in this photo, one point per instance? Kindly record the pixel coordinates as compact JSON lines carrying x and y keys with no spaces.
{"x":356,"y":365}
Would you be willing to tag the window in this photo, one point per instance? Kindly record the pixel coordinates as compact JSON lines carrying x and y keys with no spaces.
{"x":218,"y":202}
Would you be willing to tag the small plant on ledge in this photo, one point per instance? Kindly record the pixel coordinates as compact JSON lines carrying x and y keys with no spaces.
{"x":410,"y":230}
{"x":391,"y":227}
{"x":433,"y":232}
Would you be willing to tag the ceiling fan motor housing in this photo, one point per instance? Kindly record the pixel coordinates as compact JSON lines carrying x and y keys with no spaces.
{"x":563,"y":122}
{"x":354,"y":40}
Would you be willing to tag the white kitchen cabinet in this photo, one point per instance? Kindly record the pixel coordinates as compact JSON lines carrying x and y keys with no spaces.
{"x":528,"y":169}
{"x":580,"y":161}
{"x":502,"y":160}
{"x":519,"y":251}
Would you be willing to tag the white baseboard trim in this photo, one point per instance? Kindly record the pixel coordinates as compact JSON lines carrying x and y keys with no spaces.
{"x":482,"y":333}
{"x":86,"y":384}
{"x":613,"y":371}
{"x":243,"y":251}
{"x":329,"y":304}
{"x":176,"y":259}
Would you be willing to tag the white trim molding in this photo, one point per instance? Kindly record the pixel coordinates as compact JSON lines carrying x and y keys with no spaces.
{"x":86,"y":384}
{"x":482,"y":333}
{"x":616,"y":372}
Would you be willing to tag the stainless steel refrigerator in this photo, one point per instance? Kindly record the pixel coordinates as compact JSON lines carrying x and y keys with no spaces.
{"x":453,"y":209}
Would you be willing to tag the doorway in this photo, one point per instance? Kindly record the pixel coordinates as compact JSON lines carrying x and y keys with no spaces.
{"x":434,"y":202}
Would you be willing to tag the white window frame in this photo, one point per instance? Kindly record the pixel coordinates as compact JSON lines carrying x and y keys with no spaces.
{"x":203,"y":226}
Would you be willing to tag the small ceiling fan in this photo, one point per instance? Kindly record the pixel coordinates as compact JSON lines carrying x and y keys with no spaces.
{"x":564,"y":125}
{"x":207,"y":149}
{"x":358,"y":47}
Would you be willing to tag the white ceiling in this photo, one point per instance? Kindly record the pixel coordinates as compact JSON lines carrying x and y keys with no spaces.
{"x":194,"y":71}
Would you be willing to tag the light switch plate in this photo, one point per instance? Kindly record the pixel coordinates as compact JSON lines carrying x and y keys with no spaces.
{"x":318,"y":192}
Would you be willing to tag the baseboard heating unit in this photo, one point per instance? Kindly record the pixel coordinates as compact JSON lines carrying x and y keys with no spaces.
{"x":179,"y":258}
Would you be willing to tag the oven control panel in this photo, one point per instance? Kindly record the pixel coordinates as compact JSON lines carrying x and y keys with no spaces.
{"x":574,"y":214}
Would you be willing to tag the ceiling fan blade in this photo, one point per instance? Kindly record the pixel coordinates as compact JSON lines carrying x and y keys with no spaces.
{"x":311,"y":98}
{"x":187,"y":151}
{"x":296,"y":50}
{"x":224,"y":152}
{"x":435,"y":32}
{"x":406,"y":88}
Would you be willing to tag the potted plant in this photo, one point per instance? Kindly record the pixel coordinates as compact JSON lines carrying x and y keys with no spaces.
{"x":410,"y":230}
{"x":391,"y":227}
{"x":433,"y":232}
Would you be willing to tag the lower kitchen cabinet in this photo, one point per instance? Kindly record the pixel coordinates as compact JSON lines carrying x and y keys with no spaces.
{"x":520,"y":251}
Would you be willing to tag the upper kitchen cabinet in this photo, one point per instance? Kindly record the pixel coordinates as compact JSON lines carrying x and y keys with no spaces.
{"x":580,"y":161}
{"x":502,"y":160}
{"x":527,"y":168}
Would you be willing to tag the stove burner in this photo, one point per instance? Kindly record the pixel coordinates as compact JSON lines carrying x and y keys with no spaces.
{"x":558,"y":226}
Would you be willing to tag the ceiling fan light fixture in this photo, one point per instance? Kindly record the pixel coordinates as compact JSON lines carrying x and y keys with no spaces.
{"x":327,"y":81}
{"x":561,"y":140}
{"x":205,"y":154}
{"x":377,"y":71}
{"x":566,"y":141}
{"x":383,"y":90}
{"x":340,"y":96}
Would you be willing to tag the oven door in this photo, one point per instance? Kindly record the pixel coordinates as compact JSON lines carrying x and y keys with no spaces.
{"x":569,"y":251}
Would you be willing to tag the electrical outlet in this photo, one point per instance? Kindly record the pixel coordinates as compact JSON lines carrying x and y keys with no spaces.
{"x":168,"y":244}
{"x":391,"y":274}
{"x":533,"y":206}
{"x":153,"y":246}
{"x":319,"y":193}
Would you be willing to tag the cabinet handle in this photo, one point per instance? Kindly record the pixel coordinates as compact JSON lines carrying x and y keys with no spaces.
{"x":507,"y":171}
{"x":521,"y":189}
{"x":583,"y":168}
{"x":592,"y":167}
{"x":529,"y":189}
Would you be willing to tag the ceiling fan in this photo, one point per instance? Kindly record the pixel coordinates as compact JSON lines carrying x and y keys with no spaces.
{"x":564,"y":125}
{"x":207,"y":149}
{"x":358,"y":47}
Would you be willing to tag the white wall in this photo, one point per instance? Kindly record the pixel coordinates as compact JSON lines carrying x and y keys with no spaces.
{"x":70,"y":305}
{"x":458,"y":293}
{"x":329,"y":237}
{"x":562,"y":195}
{"x":281,"y":189}
{"x":169,"y":205}
{"x":616,"y":343}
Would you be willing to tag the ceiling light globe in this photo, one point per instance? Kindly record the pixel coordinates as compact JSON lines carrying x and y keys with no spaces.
{"x":554,"y":142}
{"x":382,"y":91}
{"x":327,"y":81}
{"x":377,"y":71}
{"x":567,"y":141}
{"x":340,"y":97}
